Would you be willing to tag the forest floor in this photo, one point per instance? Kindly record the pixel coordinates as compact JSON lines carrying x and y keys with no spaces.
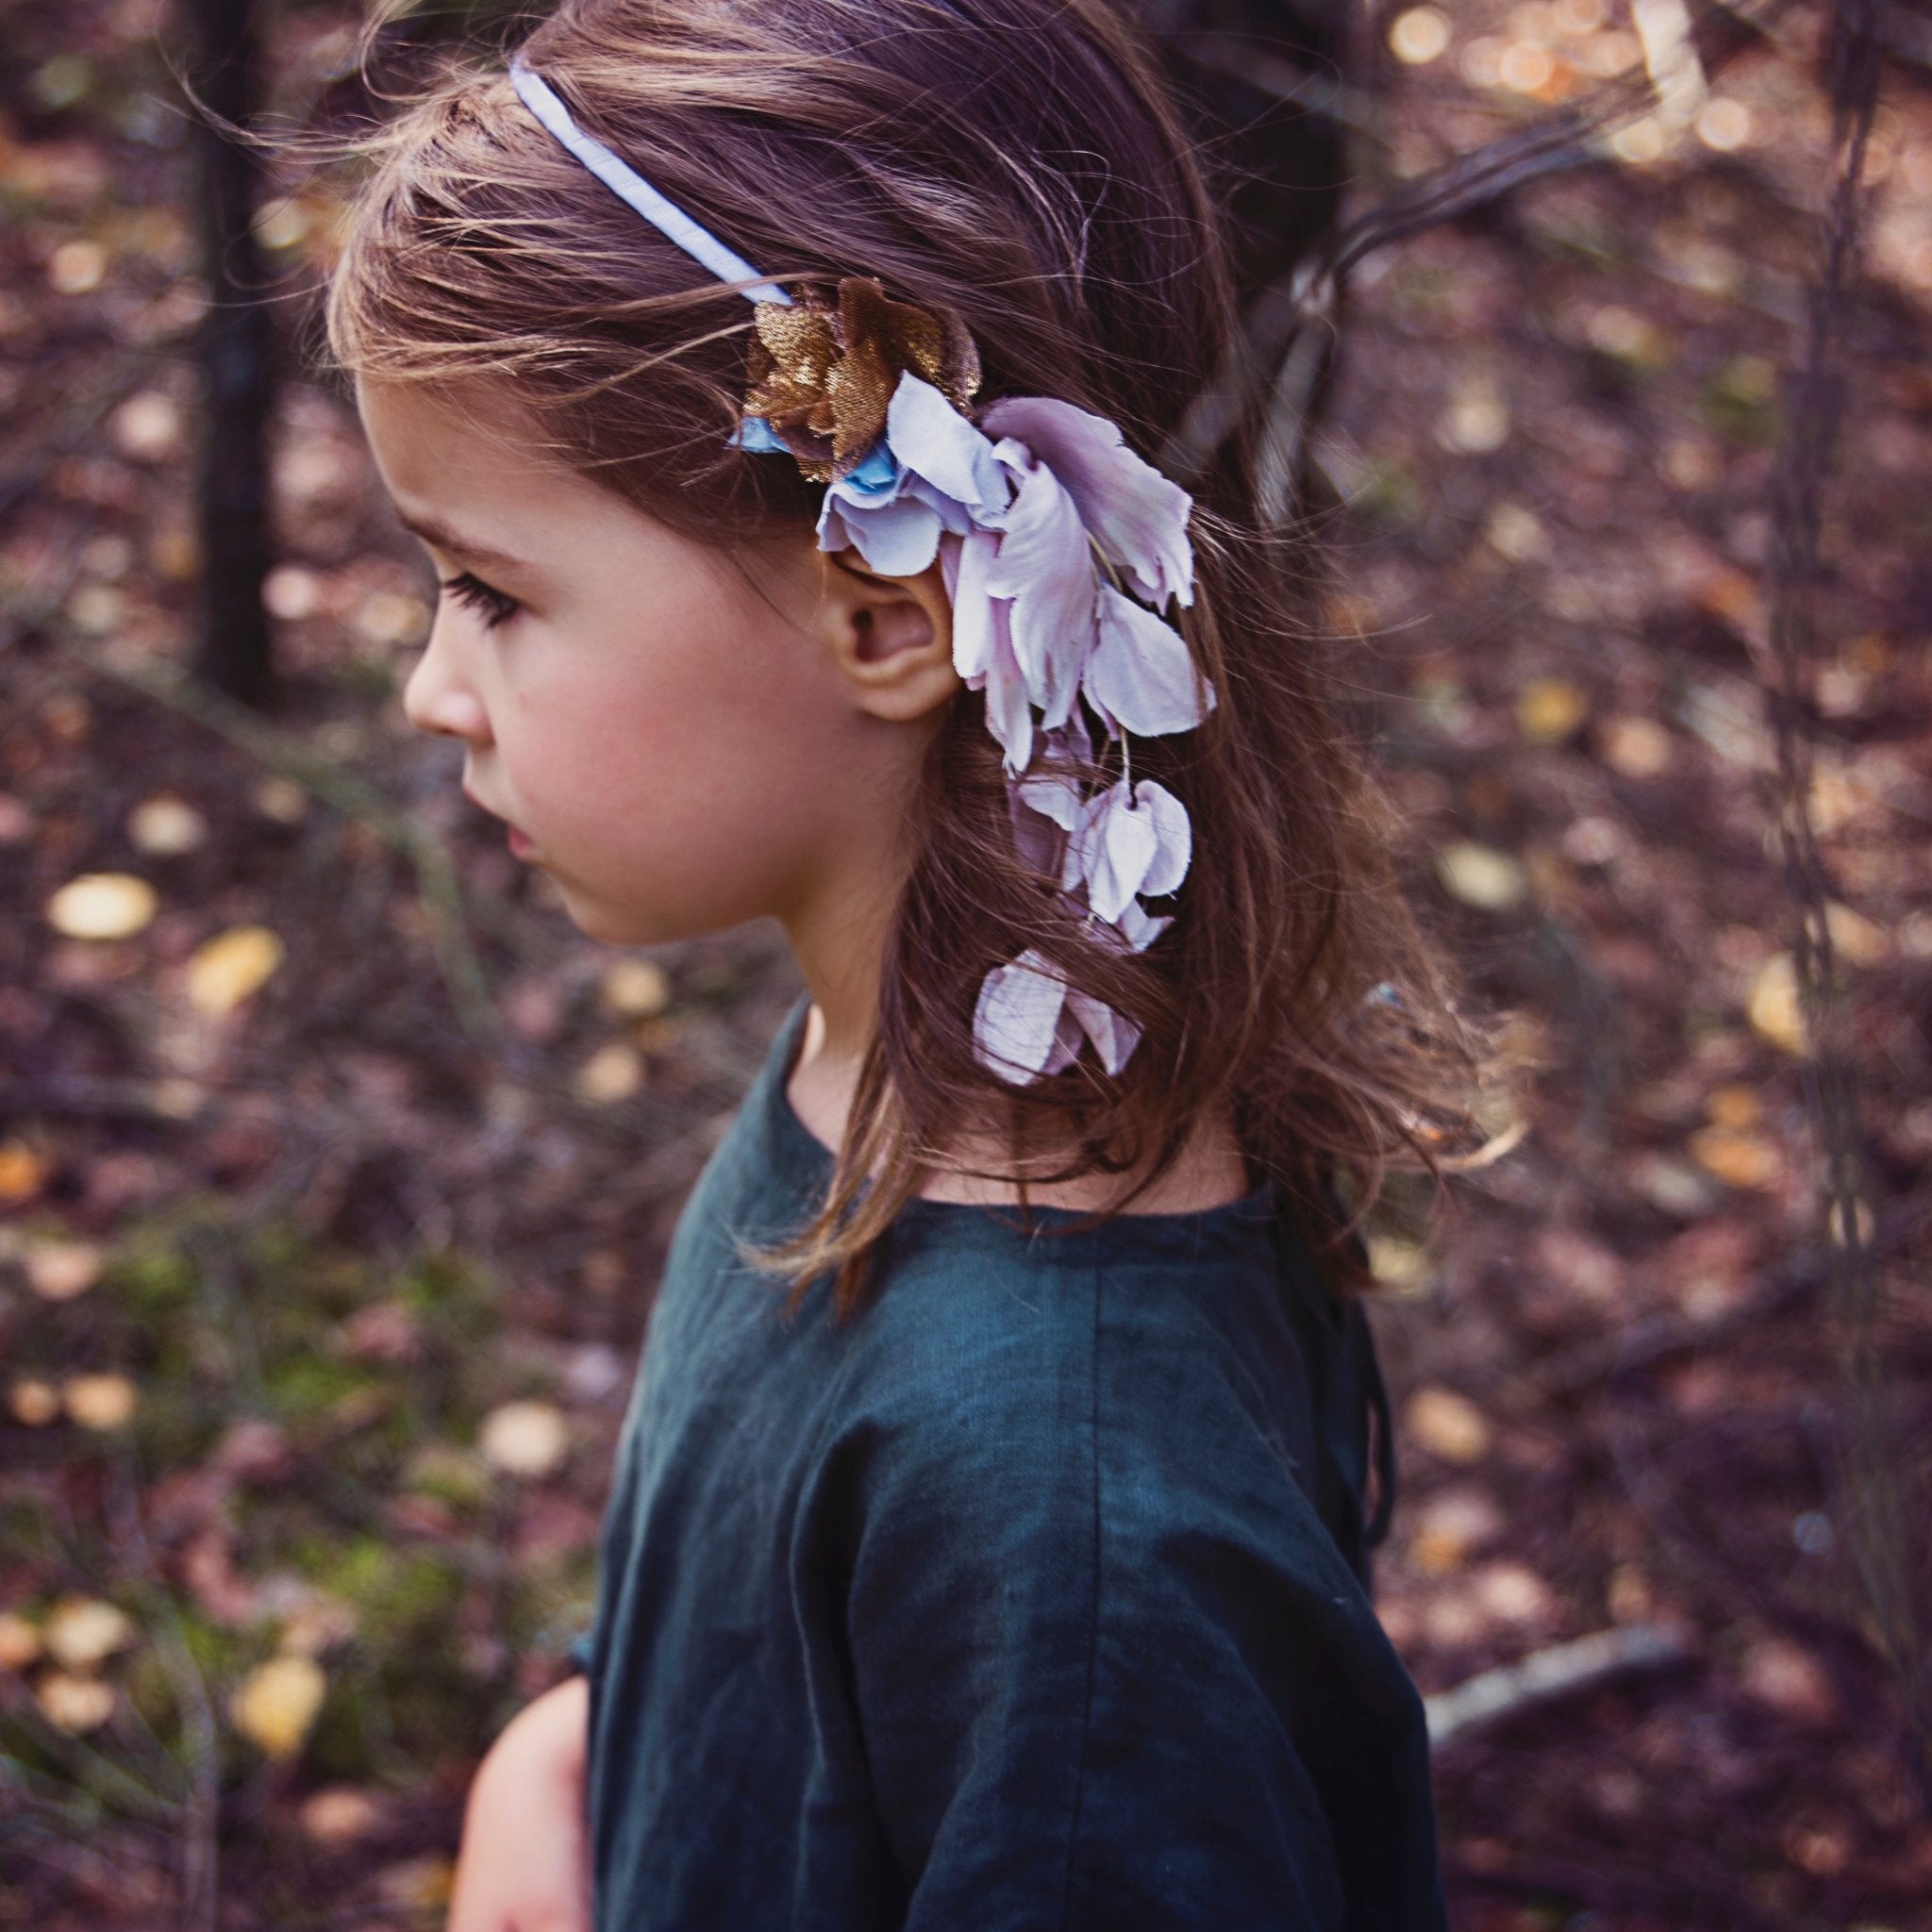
{"x":336,"y":1168}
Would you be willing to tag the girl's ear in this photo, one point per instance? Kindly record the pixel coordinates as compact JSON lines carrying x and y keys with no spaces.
{"x":891,"y":638}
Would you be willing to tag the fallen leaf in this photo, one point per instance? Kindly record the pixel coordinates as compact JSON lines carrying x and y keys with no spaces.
{"x":1450,"y":1526}
{"x":417,"y":1884}
{"x":636,"y":989}
{"x":524,"y":1438}
{"x":20,"y":1642}
{"x":1513,"y":1592}
{"x":1774,"y":1008}
{"x":1732,"y":1104}
{"x":340,"y":1815}
{"x":33,"y":1404}
{"x":1791,"y":1680}
{"x":165,"y":826}
{"x":225,"y":969}
{"x":100,"y":1401}
{"x":1481,"y":876}
{"x":102,"y":905}
{"x":1548,"y":709}
{"x":1737,"y":1158}
{"x":282,"y":800}
{"x":1859,"y":941}
{"x":277,"y":1703}
{"x":61,"y":1270}
{"x":611,"y":1073}
{"x":82,"y":1631}
{"x":23,"y":1173}
{"x":1449,"y":1426}
{"x":1635,"y":747}
{"x":73,"y":1703}
{"x":1396,"y":1263}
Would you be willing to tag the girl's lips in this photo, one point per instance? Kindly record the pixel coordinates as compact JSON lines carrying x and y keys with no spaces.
{"x":521,"y":844}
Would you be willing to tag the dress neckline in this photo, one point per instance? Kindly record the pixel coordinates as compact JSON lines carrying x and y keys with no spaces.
{"x":807,"y":1163}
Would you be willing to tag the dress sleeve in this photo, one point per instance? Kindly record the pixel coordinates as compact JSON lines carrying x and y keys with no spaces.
{"x":1111,"y":1671}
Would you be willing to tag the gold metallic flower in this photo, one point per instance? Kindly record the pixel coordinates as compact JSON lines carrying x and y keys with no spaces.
{"x":822,"y":377}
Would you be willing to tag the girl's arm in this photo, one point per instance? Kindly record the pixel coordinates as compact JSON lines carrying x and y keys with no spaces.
{"x":524,"y":1865}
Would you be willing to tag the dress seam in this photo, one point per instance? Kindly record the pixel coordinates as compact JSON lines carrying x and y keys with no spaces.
{"x":1093,"y":1613}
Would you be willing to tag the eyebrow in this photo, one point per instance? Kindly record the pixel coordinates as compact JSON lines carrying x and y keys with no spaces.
{"x":433,"y":529}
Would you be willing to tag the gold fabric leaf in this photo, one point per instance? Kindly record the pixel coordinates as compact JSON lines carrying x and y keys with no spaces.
{"x":822,"y":377}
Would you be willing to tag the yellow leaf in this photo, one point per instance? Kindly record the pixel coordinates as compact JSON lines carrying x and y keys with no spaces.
{"x":1548,"y":709}
{"x":22,"y":1171}
{"x":1859,"y":941}
{"x":1481,"y":876}
{"x":100,"y":1402}
{"x":611,"y":1073}
{"x":60,"y":1271}
{"x":1637,"y":747}
{"x":1418,"y":35}
{"x":82,"y":1631}
{"x":166,"y":826}
{"x":1773,"y":1009}
{"x":20,"y":1642}
{"x":1450,"y":1426}
{"x":277,"y":1703}
{"x":102,"y":905}
{"x":33,"y":1404}
{"x":1737,"y":1158}
{"x":637,"y":989}
{"x":339,"y":1815}
{"x":417,"y":1884}
{"x":524,"y":1438}
{"x":225,"y":969}
{"x":73,"y":1703}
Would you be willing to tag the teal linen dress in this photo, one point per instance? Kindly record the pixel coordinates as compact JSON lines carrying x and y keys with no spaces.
{"x":1033,"y":1596}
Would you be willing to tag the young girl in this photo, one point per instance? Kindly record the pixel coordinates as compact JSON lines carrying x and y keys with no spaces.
{"x":776,"y":385}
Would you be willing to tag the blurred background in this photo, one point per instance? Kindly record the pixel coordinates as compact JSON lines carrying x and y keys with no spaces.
{"x":336,"y":1168}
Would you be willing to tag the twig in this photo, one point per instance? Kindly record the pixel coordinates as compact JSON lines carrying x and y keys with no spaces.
{"x":354,"y":798}
{"x":1563,"y":1669}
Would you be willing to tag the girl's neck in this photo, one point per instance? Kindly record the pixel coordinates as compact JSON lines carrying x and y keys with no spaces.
{"x":1210,"y":1171}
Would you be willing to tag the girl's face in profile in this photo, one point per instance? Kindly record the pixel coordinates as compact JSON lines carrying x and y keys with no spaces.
{"x":675,"y":745}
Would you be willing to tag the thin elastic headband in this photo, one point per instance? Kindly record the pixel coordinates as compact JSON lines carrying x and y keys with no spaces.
{"x":626,"y":182}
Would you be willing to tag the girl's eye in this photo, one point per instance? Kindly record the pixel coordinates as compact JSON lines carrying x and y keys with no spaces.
{"x":494,"y":605}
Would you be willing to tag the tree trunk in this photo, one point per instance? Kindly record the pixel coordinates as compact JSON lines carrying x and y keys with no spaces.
{"x":237,"y":351}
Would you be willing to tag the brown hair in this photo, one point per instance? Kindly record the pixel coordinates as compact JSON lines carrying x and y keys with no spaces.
{"x":1016,"y":161}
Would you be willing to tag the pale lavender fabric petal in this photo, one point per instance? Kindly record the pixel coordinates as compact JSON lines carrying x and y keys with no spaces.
{"x":1045,"y":565}
{"x":1137,"y":516}
{"x":1053,"y":795}
{"x":1173,"y":838}
{"x":898,"y":538}
{"x":1117,"y":845}
{"x":1066,"y":1045}
{"x":1016,"y":1017}
{"x":973,"y":608}
{"x":1141,"y":675}
{"x":950,"y":542}
{"x":929,"y":436}
{"x":1071,"y":740}
{"x":1040,"y":842}
{"x":1113,"y":1035}
{"x":1008,"y":716}
{"x":1139,"y":927}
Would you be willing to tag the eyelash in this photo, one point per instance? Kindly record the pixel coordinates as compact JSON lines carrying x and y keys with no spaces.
{"x":495,"y":605}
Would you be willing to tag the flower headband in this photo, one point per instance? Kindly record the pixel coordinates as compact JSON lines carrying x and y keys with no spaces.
{"x":1054,"y":538}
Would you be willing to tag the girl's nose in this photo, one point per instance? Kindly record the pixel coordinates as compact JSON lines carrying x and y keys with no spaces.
{"x":435,"y":699}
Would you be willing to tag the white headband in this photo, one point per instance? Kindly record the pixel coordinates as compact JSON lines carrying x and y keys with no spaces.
{"x":624,"y":181}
